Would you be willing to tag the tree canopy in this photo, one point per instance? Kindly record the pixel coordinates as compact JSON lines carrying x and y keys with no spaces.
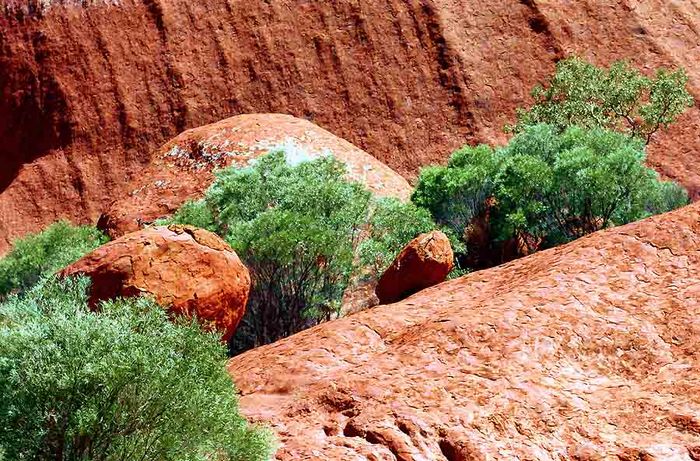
{"x":619,"y":98}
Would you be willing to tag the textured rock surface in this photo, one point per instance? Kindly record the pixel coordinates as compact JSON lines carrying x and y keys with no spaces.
{"x":191,"y":270}
{"x":88,"y":92}
{"x":182,"y":168}
{"x":425,"y":261}
{"x":589,"y":351}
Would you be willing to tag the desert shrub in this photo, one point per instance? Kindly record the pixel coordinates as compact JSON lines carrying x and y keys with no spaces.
{"x":297,"y":228}
{"x":455,"y":194}
{"x":578,"y":182}
{"x":619,"y":98}
{"x":41,"y":254}
{"x":193,"y":212}
{"x":548,"y":186}
{"x":124,"y":383}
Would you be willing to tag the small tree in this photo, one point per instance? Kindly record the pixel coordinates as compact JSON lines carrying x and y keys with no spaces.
{"x":38,"y":255}
{"x":619,"y":98}
{"x":577,"y":182}
{"x":297,"y":228}
{"x":124,"y":383}
{"x":546,"y":187}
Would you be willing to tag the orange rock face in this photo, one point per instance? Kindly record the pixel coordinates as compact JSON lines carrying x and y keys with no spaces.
{"x":589,"y":351}
{"x":425,"y":261}
{"x":190,"y":270}
{"x":183,"y":168}
{"x":90,"y":89}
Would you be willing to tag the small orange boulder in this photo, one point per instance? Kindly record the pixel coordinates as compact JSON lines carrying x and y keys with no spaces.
{"x":190,"y":270}
{"x":424,"y":262}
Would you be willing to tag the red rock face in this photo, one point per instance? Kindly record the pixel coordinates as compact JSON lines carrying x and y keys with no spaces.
{"x":88,"y":93}
{"x":587,"y":351}
{"x":183,"y":168}
{"x":425,"y":261}
{"x":190,"y":270}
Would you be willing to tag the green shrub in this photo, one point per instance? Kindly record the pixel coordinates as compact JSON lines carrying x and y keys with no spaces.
{"x":455,"y":194}
{"x":297,"y":228}
{"x":194,"y":213}
{"x":38,"y":255}
{"x":578,"y":182}
{"x":548,"y":185}
{"x":619,"y":98}
{"x":125,"y":383}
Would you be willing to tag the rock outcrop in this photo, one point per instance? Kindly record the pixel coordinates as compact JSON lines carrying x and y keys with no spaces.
{"x":425,"y":261}
{"x":589,"y":351}
{"x":189,"y":270}
{"x":183,"y":168}
{"x":89,"y":89}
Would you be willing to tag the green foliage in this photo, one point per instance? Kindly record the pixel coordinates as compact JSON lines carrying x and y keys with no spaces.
{"x":297,"y":228}
{"x":456,"y":193}
{"x":194,"y":213}
{"x":391,"y":226}
{"x":578,"y":182}
{"x":124,"y":383}
{"x":549,"y":185}
{"x":38,"y":255}
{"x":619,"y":98}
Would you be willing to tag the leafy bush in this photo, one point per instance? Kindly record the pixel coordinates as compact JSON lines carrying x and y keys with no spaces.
{"x":547,"y":187}
{"x":38,"y":255}
{"x":297,"y":228}
{"x":455,"y":194}
{"x":619,"y":98}
{"x":125,"y":383}
{"x":578,"y":182}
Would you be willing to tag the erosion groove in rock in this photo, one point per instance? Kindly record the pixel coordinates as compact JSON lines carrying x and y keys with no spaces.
{"x":84,"y":104}
{"x":586,"y":351}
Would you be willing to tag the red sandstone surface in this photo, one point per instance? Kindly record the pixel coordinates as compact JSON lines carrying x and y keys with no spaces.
{"x":589,"y":351}
{"x":89,"y":90}
{"x":425,"y":261}
{"x":183,"y":168}
{"x":191,"y":271}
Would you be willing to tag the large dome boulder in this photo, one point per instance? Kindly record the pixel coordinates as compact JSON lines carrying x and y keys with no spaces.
{"x":189,"y":270}
{"x":183,"y":168}
{"x":425,"y":261}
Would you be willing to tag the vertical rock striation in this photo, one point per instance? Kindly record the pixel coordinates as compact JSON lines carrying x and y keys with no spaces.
{"x":88,"y":89}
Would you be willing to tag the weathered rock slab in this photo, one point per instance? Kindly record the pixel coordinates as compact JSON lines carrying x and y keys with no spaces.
{"x":589,"y":351}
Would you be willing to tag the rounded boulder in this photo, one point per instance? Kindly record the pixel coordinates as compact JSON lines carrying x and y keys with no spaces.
{"x":190,"y":271}
{"x":424,"y":262}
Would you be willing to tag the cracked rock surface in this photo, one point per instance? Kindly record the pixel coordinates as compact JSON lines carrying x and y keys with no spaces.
{"x":588,"y":351}
{"x":189,"y":270}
